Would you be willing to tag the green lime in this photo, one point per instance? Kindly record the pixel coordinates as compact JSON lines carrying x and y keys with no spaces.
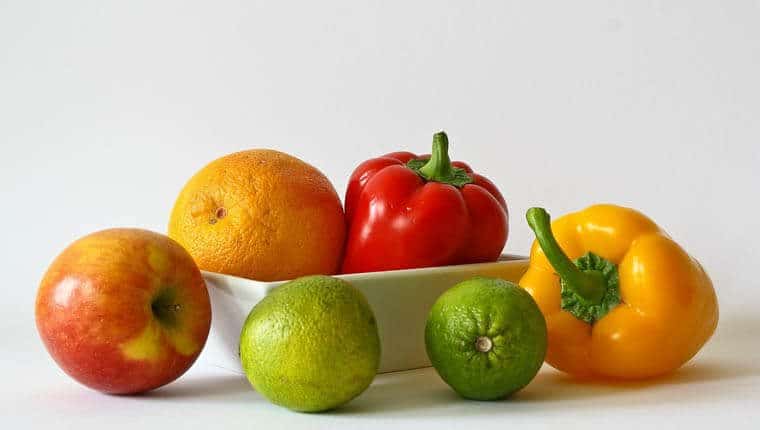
{"x":311,"y":345}
{"x":486,"y":338}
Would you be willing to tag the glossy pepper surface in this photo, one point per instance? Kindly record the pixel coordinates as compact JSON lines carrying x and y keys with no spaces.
{"x":621,"y":299}
{"x":405,"y":211}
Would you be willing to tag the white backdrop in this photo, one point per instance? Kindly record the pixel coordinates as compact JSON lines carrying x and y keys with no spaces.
{"x":107,"y":108}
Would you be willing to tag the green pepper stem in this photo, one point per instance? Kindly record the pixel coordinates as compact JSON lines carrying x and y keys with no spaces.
{"x":589,"y":285}
{"x":438,"y":168}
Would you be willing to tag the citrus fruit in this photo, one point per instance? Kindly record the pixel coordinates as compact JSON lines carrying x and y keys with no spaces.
{"x":486,"y":338}
{"x":260,"y":214}
{"x":311,"y":345}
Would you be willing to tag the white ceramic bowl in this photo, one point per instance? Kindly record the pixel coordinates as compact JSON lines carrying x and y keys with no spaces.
{"x":400,"y":299}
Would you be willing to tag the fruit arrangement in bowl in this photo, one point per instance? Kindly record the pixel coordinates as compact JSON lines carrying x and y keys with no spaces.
{"x":263,"y":264}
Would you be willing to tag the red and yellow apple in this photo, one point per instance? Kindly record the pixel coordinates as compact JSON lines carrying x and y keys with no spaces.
{"x":123,"y":310}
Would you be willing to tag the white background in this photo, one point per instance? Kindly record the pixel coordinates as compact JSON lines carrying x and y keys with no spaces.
{"x":107,"y":108}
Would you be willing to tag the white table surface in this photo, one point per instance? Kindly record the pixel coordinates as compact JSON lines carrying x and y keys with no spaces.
{"x":722,"y":383}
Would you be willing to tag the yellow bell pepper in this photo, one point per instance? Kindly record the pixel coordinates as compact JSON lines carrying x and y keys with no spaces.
{"x":630,"y":304}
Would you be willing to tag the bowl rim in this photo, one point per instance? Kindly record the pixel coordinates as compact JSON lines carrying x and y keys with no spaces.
{"x":233,"y":284}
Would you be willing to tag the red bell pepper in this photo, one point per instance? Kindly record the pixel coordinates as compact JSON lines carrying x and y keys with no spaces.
{"x":405,"y":211}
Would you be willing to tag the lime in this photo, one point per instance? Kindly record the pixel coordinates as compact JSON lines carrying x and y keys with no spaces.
{"x":486,"y":338}
{"x":311,"y":345}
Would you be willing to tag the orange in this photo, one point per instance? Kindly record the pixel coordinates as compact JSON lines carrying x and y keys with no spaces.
{"x":260,"y":214}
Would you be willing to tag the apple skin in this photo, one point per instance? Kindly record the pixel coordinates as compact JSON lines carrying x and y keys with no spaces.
{"x":123,"y":311}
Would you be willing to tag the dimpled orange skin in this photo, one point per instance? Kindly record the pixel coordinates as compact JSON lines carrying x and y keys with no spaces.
{"x":260,"y":214}
{"x":94,"y":311}
{"x":668,"y":311}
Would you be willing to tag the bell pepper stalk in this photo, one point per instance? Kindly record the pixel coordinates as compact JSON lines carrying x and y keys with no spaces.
{"x":589,"y":284}
{"x":438,"y":167}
